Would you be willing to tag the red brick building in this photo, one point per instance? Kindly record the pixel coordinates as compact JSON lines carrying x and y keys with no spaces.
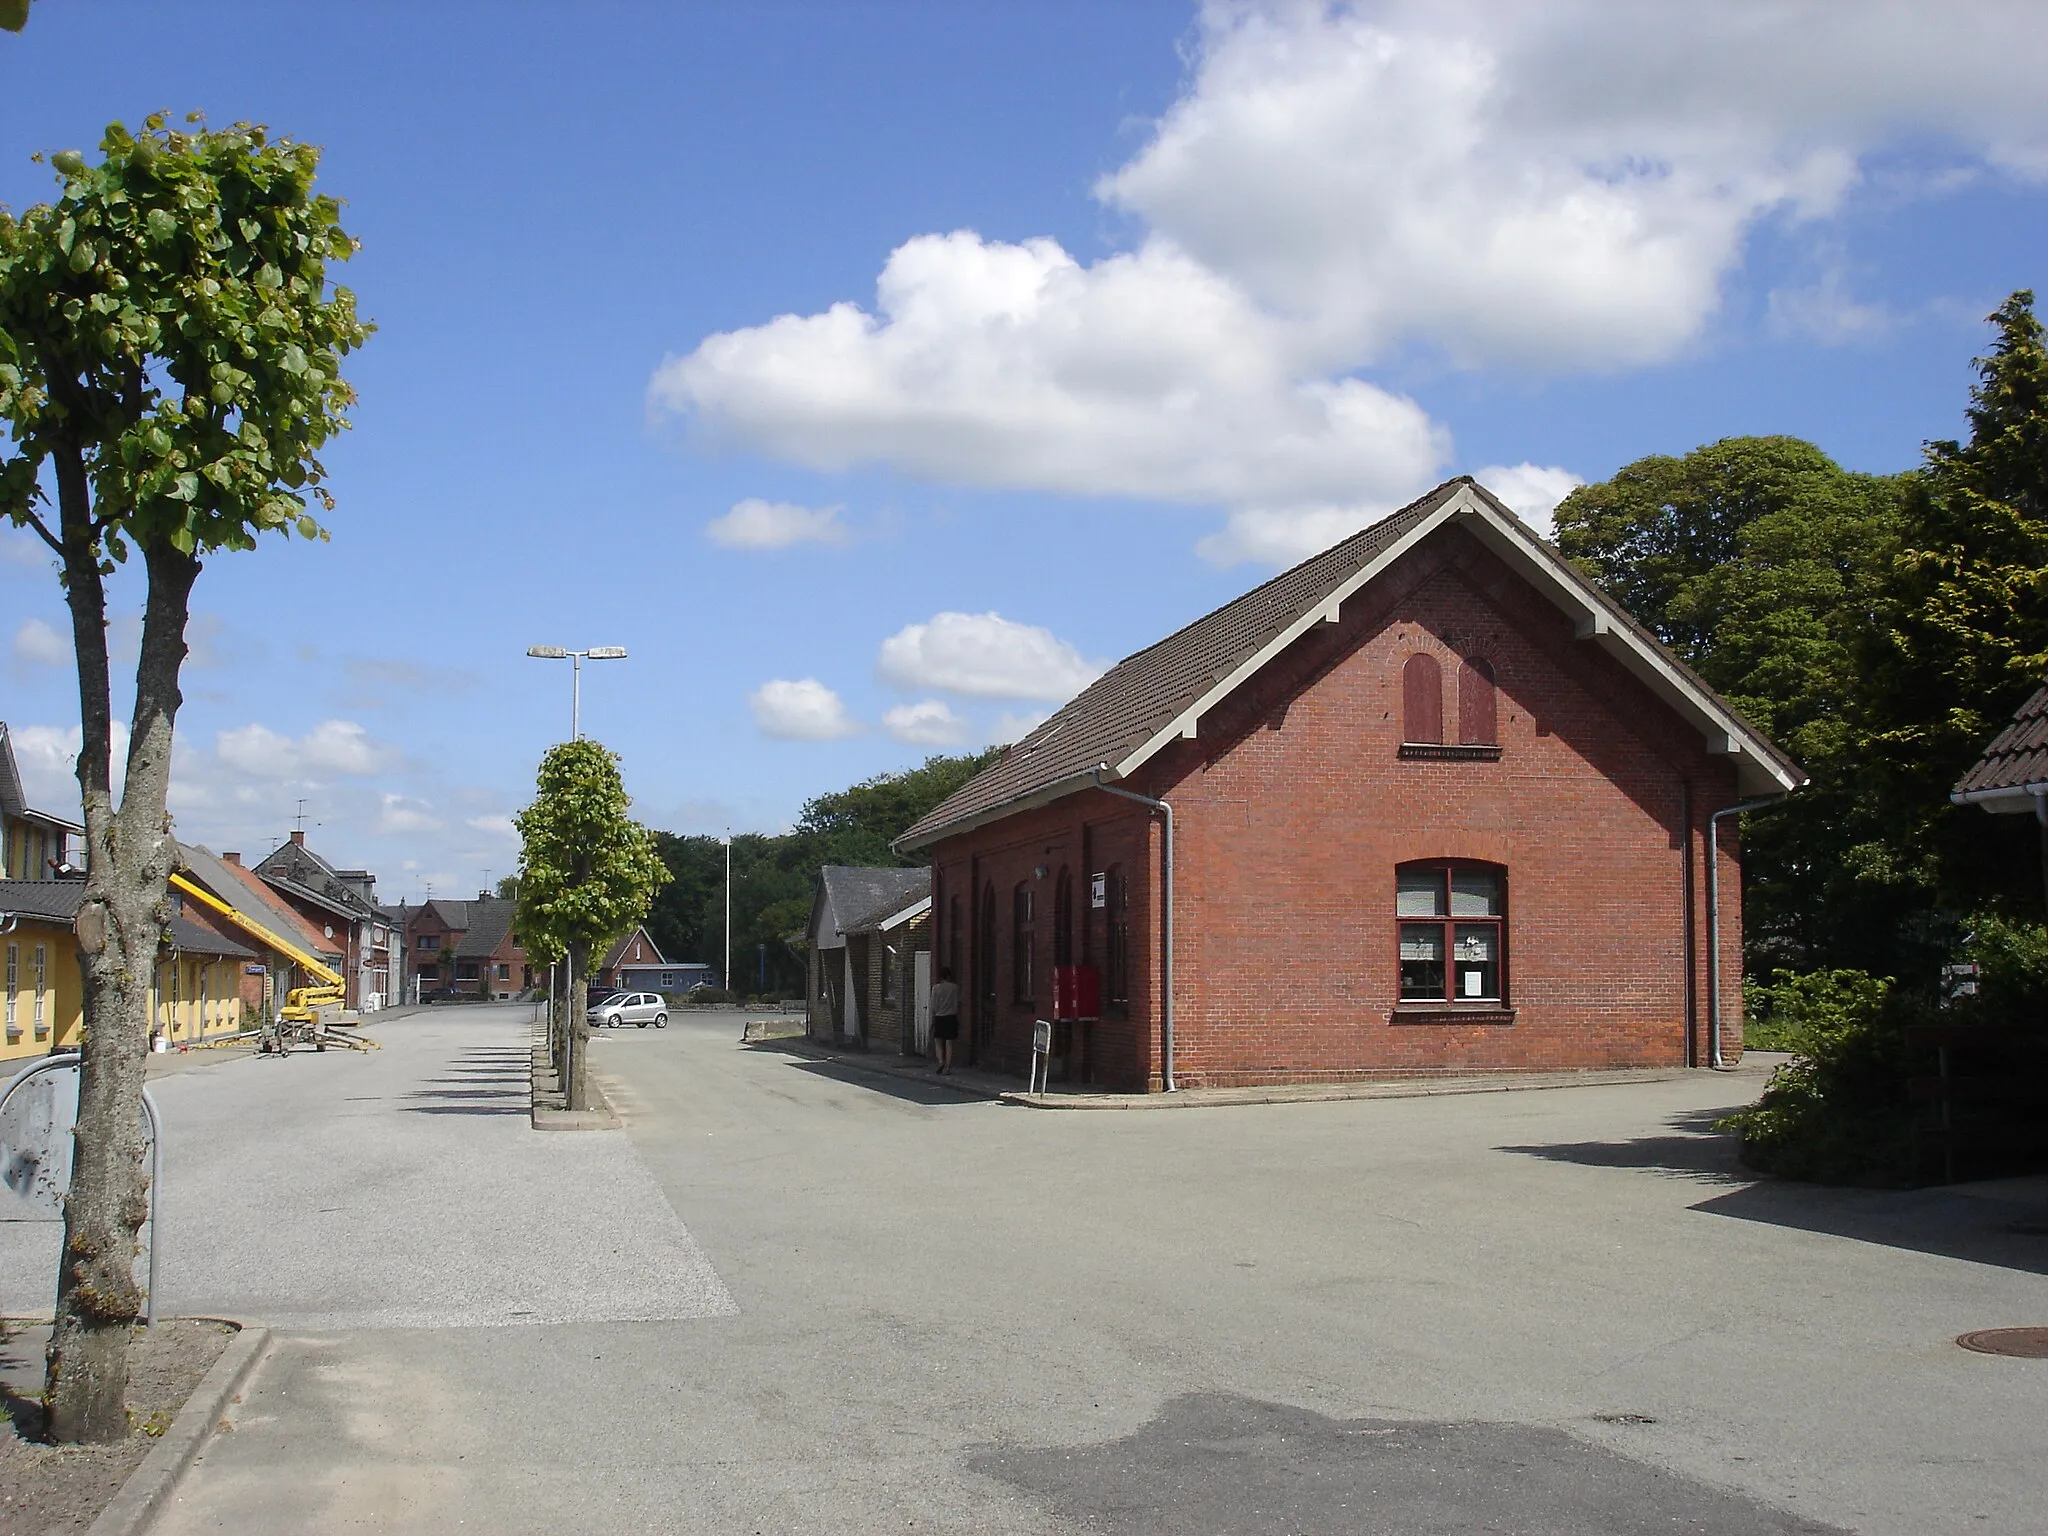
{"x":1432,"y":802}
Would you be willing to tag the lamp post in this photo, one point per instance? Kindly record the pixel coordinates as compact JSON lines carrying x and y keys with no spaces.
{"x":725,"y":976}
{"x":595,"y":653}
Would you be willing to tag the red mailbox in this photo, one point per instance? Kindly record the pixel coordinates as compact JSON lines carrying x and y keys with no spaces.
{"x":1076,"y":992}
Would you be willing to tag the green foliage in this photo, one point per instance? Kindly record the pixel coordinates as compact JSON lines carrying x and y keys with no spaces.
{"x":1961,"y":637}
{"x":773,"y":876}
{"x":168,"y":320}
{"x":587,"y":869}
{"x":1838,"y":1114}
{"x":1759,"y":561}
{"x":13,"y":15}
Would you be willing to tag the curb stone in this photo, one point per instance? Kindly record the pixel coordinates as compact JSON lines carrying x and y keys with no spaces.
{"x":150,"y":1484}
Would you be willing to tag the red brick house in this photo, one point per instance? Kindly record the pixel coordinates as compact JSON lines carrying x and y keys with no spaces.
{"x":467,"y":949}
{"x":1427,"y":802}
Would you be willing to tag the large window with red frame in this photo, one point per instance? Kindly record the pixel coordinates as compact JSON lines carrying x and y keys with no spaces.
{"x":1452,"y":921}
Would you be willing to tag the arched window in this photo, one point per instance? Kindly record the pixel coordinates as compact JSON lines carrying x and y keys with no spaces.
{"x":1117,"y":941}
{"x":1422,"y":700}
{"x":1452,"y":939}
{"x":1063,"y":918}
{"x":1478,"y":722}
{"x":985,"y":962}
{"x":1023,"y":944}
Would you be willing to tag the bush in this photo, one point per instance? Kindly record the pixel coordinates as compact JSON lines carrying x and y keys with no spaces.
{"x":704,"y":997}
{"x":1838,"y":1114}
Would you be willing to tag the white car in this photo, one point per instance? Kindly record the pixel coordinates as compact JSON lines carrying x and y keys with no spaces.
{"x":636,"y":1008}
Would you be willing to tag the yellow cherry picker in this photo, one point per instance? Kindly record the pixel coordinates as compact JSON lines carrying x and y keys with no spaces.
{"x":299,"y":1018}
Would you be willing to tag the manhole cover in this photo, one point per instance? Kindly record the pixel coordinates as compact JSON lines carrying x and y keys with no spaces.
{"x":2026,"y":1343}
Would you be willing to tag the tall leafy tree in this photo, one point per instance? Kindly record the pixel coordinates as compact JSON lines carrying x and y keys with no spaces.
{"x":1962,"y":633}
{"x":1760,"y":561}
{"x":587,"y":873}
{"x":170,"y":363}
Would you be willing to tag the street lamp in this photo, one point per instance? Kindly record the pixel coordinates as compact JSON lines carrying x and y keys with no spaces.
{"x":595,"y":653}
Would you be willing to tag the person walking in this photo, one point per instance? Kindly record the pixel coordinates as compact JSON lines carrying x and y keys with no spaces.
{"x":945,"y":1017}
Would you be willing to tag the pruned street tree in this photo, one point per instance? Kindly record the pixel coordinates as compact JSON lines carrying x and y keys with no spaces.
{"x":170,"y":363}
{"x":587,"y":874}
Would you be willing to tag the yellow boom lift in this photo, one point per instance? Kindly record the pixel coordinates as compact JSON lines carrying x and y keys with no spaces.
{"x":302,"y":1005}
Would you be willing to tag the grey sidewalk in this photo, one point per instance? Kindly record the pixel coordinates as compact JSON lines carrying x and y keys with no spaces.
{"x":974,"y":1082}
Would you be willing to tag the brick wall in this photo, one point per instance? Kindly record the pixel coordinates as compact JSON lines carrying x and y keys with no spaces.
{"x":1293,"y":808}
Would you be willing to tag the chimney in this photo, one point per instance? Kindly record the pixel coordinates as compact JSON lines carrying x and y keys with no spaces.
{"x":231,"y":858}
{"x":299,"y":839}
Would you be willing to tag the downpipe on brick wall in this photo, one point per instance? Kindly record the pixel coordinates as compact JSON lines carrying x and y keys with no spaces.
{"x":1714,"y":924}
{"x":1166,"y":922}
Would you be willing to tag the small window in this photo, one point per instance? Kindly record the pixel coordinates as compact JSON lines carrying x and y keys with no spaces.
{"x":1451,"y":921}
{"x":1422,"y":700}
{"x":504,"y":973}
{"x":1477,"y":716}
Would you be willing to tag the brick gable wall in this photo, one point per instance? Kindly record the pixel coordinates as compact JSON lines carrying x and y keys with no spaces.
{"x":1294,"y":806}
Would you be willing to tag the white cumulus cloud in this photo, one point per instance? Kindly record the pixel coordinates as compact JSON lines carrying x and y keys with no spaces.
{"x":802,"y":709}
{"x":47,"y":756}
{"x":757,"y":524}
{"x":1532,"y":491}
{"x":1012,"y":726}
{"x":38,"y":644}
{"x":985,"y":655}
{"x":332,"y":747}
{"x":404,"y":816}
{"x":928,"y":723}
{"x":1555,"y":187}
{"x":495,"y":826}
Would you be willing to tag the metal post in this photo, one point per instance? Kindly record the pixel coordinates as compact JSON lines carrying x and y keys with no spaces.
{"x":725,"y":976}
{"x":576,"y":696}
{"x":156,"y":1203}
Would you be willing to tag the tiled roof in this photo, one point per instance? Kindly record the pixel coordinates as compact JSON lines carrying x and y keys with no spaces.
{"x":1128,"y":707}
{"x":616,"y":956}
{"x":489,"y":922}
{"x":242,"y":888}
{"x":303,"y":872}
{"x":1122,"y":709}
{"x":56,"y":901}
{"x":2017,"y":757}
{"x":856,"y":896}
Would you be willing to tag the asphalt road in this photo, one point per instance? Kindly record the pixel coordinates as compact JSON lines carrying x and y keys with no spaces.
{"x":891,"y":1308}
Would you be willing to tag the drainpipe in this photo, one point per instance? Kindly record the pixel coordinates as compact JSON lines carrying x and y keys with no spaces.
{"x":1166,"y":923}
{"x":1714,"y":924}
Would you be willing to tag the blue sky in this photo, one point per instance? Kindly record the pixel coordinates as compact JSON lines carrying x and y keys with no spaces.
{"x":875,"y":372}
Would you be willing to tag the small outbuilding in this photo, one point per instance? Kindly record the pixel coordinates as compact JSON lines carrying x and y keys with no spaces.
{"x":1427,"y":802}
{"x":869,"y":976}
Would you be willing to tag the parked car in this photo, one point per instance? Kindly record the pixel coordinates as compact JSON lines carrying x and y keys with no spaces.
{"x":639,"y":1009}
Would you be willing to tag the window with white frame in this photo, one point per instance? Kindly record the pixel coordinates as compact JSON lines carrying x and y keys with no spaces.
{"x":38,"y":963}
{"x":13,"y":988}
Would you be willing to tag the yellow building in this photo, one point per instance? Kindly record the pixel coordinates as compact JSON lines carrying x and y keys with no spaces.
{"x":33,"y":844}
{"x":194,"y":994}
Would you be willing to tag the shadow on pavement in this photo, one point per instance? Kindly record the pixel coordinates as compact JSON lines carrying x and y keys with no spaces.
{"x":1216,"y":1465}
{"x":1693,"y":1150}
{"x":1935,"y":1221}
{"x":912,"y":1090}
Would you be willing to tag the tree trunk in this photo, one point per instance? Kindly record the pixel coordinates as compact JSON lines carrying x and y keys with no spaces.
{"x":120,"y":928}
{"x":578,"y":1021}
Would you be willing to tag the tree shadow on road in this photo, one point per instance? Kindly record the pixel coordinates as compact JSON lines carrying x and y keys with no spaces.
{"x":1949,"y":1223}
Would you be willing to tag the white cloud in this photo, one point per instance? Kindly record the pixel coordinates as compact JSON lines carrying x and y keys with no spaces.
{"x":985,"y":655}
{"x":39,"y":644}
{"x":1013,"y":365}
{"x":404,"y":816}
{"x":20,"y":547}
{"x":332,"y":747}
{"x":758,"y":524}
{"x":928,"y":723}
{"x":1011,"y":727}
{"x":1532,"y":491}
{"x":494,"y":826}
{"x":47,"y":756}
{"x":1828,"y":313}
{"x":1555,"y":187}
{"x":801,"y":710}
